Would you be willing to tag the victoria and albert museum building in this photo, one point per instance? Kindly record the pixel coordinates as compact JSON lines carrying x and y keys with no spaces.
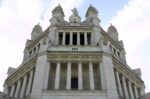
{"x":74,"y":60}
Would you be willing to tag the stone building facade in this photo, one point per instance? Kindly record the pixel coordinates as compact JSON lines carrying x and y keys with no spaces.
{"x":74,"y":60}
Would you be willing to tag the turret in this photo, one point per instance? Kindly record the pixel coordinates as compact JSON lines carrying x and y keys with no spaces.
{"x":57,"y":15}
{"x":112,"y":32}
{"x":36,"y":32}
{"x":92,"y":16}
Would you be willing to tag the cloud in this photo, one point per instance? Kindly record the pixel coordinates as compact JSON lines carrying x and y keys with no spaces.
{"x":133,"y":24}
{"x":16,"y":22}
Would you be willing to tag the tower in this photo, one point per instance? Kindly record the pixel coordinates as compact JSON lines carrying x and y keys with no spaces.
{"x":75,"y":59}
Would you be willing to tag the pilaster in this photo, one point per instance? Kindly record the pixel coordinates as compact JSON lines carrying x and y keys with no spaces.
{"x":108,"y":70}
{"x":39,"y":81}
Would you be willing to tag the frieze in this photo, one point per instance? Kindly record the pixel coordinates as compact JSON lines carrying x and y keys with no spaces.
{"x":75,"y":57}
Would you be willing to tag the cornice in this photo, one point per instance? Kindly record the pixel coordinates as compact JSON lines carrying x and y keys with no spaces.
{"x":123,"y":69}
{"x":21,"y":71}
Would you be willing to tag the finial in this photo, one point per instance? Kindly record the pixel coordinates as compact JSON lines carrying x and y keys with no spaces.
{"x":90,"y":5}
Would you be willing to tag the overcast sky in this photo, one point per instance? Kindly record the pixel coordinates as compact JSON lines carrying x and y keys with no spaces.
{"x":131,"y":18}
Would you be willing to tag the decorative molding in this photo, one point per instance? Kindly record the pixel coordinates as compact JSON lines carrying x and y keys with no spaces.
{"x":124,"y":70}
{"x":23,"y":70}
{"x":74,"y":57}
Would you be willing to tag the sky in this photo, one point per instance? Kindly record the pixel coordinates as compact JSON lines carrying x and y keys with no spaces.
{"x":130,"y":17}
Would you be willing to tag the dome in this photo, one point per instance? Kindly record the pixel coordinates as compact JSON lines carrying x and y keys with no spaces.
{"x":112,"y":32}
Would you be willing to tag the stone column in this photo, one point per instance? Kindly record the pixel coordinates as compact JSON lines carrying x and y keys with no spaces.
{"x":64,"y":38}
{"x":22,"y":93}
{"x":136,"y":92}
{"x":57,"y":76}
{"x":12,"y":92}
{"x":91,"y":76}
{"x":80,"y":81}
{"x":68,"y":87}
{"x":78,"y":38}
{"x":85,"y":38}
{"x":126,"y":95}
{"x":29,"y":84}
{"x":130,"y":90}
{"x":118,"y":83}
{"x":71,"y":34}
{"x":18,"y":89}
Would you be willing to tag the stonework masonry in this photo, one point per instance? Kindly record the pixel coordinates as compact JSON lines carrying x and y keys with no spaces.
{"x":74,"y":60}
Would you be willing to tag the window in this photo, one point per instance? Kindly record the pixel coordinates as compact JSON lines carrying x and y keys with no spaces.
{"x":60,"y":38}
{"x":34,"y":50}
{"x":81,"y":39}
{"x":114,"y":51}
{"x":38,"y":46}
{"x":67,"y":39}
{"x":74,"y":38}
{"x":74,"y":83}
{"x":30,"y":53}
{"x":88,"y":38}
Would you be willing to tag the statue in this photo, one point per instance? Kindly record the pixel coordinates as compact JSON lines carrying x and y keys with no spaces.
{"x":75,"y":12}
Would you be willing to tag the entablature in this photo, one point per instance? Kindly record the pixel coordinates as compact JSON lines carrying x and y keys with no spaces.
{"x":126,"y":71}
{"x":75,"y":28}
{"x":74,"y":57}
{"x":21,"y":71}
{"x":73,"y":48}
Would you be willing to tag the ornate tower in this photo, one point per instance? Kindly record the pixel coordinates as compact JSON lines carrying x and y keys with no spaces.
{"x":75,"y":59}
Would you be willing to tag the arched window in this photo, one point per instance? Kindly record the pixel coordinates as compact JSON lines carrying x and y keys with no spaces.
{"x":74,"y":83}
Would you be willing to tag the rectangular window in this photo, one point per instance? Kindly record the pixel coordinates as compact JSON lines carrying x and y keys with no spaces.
{"x":67,"y":39}
{"x":60,"y":38}
{"x":89,"y":38}
{"x":74,"y":38}
{"x":81,"y":39}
